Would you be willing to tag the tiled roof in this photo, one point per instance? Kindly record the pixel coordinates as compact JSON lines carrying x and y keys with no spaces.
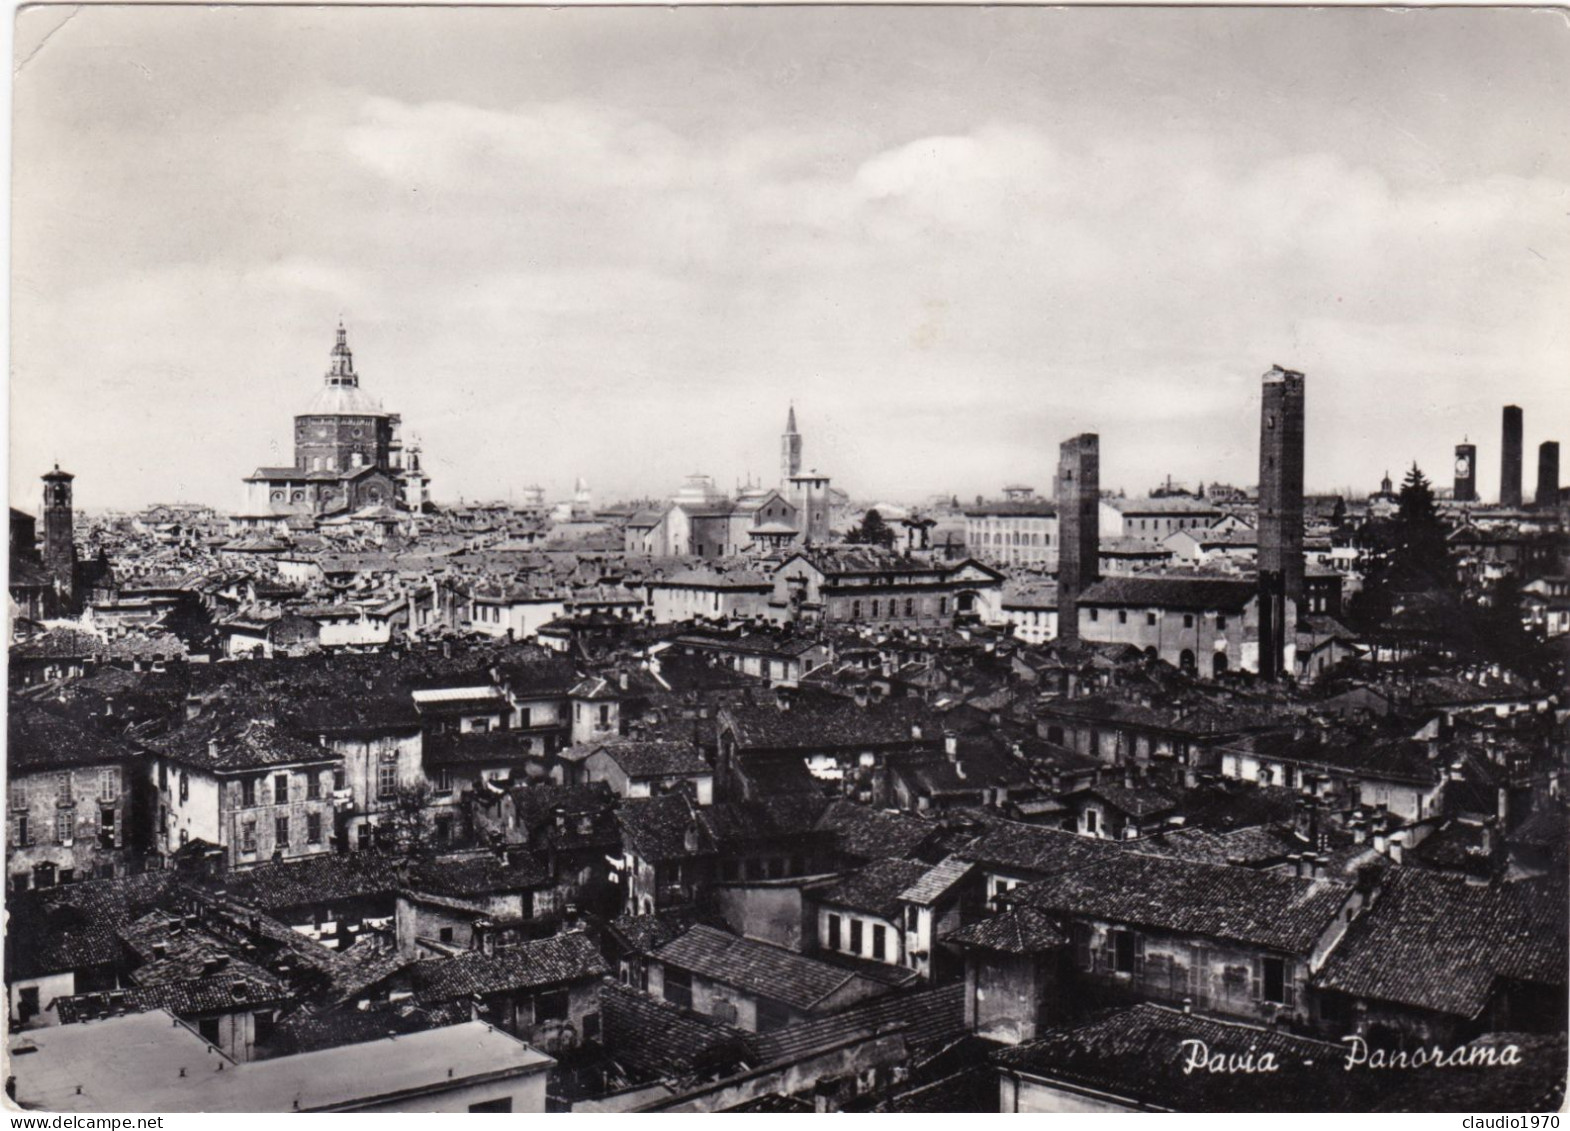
{"x":869,"y":834}
{"x":769,"y":971}
{"x":1138,"y":1053}
{"x":1012,"y":846}
{"x":1250,"y":846}
{"x":76,"y":925}
{"x":657,"y":1038}
{"x":1019,"y":930}
{"x":328,"y":878}
{"x":224,"y":993}
{"x":652,"y":758}
{"x":1268,"y":909}
{"x":239,"y":744}
{"x":824,"y":722}
{"x":547,"y":962}
{"x":875,"y":888}
{"x":1439,"y":944}
{"x":937,"y":881}
{"x":1197,"y":594}
{"x":38,"y":739}
{"x":660,"y":828}
{"x":924,"y":1018}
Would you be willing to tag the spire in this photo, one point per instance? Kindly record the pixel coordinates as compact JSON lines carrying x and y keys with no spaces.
{"x":341,"y":371}
{"x":790,"y":420}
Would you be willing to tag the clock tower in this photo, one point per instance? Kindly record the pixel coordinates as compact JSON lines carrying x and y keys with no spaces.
{"x":1466,"y":474}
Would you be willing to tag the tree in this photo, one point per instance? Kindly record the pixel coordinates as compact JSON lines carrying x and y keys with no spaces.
{"x":1407,"y":554}
{"x":406,"y":828}
{"x":873,"y":531}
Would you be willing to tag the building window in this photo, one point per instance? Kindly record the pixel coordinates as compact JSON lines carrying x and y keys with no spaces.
{"x":108,"y":784}
{"x":247,"y":792}
{"x":879,"y":942}
{"x":605,"y":715}
{"x":1122,"y":616}
{"x":1275,"y":980}
{"x":678,"y":987}
{"x":63,"y":787}
{"x":1188,"y":620}
{"x":106,"y":827}
{"x":1150,"y":618}
{"x":855,"y":610}
{"x":1123,"y":951}
{"x":281,"y":789}
{"x":23,"y":837}
{"x":524,"y":722}
{"x":502,"y":1104}
{"x":855,"y":936}
{"x":387,"y":776}
{"x":339,"y":778}
{"x":1092,"y":819}
{"x":550,"y":1006}
{"x":943,"y":606}
{"x":313,"y":787}
{"x":1095,"y":614}
{"x":163,"y":776}
{"x":834,"y":932}
{"x":910,"y":606}
{"x":444,"y":780}
{"x":313,"y":828}
{"x":65,"y":825}
{"x":185,"y":786}
{"x":248,"y":837}
{"x":1221,"y":621}
{"x":281,"y":832}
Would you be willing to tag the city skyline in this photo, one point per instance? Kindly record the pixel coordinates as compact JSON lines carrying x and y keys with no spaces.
{"x":900,"y":220}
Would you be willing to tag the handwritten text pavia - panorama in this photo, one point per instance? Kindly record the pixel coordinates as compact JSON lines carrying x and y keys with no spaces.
{"x":1200,"y":1057}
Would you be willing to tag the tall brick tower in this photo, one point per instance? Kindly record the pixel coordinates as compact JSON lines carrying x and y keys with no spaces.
{"x":790,"y":451}
{"x":1466,"y":474}
{"x":1510,"y":459}
{"x":1078,"y":489}
{"x":59,"y":534}
{"x":1281,"y":427}
{"x":1548,"y":474}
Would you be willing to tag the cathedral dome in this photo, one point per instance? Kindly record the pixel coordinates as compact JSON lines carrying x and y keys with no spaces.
{"x":341,"y":394}
{"x":343,"y":400}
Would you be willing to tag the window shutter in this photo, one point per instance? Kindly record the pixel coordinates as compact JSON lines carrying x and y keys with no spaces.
{"x":1139,"y":956}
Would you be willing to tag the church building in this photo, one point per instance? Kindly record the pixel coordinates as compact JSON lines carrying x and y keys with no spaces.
{"x":347,"y":454}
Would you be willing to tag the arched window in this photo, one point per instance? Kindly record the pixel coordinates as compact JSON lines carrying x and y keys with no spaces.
{"x":1186,"y":661}
{"x":1218,"y":664}
{"x":874,"y":609}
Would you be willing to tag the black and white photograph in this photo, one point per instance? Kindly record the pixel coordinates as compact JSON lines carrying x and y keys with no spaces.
{"x":787,"y":559}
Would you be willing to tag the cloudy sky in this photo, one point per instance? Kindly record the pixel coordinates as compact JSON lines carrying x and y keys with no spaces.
{"x":617,"y":242}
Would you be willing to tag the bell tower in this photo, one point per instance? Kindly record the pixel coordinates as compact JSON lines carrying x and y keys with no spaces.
{"x":790,"y":451}
{"x":59,"y":534}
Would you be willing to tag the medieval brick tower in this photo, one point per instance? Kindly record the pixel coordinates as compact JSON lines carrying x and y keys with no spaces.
{"x":1281,"y":429}
{"x":59,"y":534}
{"x":1548,"y":474}
{"x":1466,"y":474}
{"x":1078,"y":492}
{"x":1510,"y":458}
{"x":790,"y":451}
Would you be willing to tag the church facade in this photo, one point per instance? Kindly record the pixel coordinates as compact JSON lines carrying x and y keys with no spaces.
{"x":348,"y":456}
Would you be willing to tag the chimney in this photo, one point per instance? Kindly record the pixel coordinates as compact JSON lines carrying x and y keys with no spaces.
{"x":193,"y":707}
{"x":212,"y":748}
{"x":951,"y":745}
{"x":782,"y":698}
{"x":1397,"y":849}
{"x":1296,"y":861}
{"x":1504,"y":808}
{"x":621,"y":678}
{"x":860,"y":693}
{"x":1188,"y":1005}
